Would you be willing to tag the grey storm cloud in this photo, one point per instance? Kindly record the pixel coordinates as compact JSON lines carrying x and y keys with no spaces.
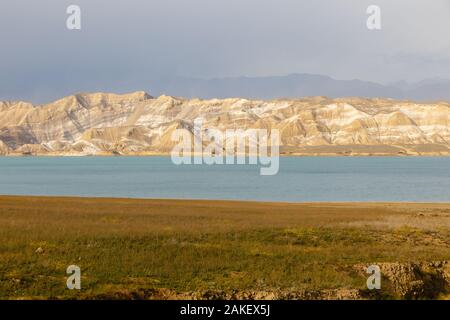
{"x":133,"y":44}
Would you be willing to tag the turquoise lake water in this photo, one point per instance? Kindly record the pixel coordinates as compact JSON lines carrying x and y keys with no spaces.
{"x":424,"y":179}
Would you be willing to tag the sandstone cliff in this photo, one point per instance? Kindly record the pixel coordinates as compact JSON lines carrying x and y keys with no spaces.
{"x":137,"y":123}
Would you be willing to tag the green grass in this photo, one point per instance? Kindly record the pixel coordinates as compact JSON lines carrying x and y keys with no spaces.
{"x":135,"y":245}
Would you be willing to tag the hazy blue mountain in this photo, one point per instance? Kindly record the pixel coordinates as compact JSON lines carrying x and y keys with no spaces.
{"x":300,"y":85}
{"x":429,"y":89}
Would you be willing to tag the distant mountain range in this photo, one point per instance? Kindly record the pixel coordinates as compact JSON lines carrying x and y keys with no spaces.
{"x":301,"y":85}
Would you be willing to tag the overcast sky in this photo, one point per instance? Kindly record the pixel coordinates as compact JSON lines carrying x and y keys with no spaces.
{"x":127,"y":45}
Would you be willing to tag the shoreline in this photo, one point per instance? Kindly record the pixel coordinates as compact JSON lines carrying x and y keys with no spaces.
{"x":425,"y":150}
{"x":293,"y":155}
{"x":194,"y":201}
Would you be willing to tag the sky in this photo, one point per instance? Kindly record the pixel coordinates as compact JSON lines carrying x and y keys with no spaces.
{"x":128,"y":45}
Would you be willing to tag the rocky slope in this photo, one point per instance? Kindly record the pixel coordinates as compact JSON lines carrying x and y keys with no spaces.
{"x":136,"y":123}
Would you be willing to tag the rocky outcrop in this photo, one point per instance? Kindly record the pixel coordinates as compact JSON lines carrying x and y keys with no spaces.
{"x":137,"y":123}
{"x":4,"y":150}
{"x":421,"y":280}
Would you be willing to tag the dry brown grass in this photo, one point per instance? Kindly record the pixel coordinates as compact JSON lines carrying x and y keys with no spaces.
{"x":126,"y":244}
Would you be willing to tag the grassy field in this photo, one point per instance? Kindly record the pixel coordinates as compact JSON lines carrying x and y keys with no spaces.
{"x":170,"y":249}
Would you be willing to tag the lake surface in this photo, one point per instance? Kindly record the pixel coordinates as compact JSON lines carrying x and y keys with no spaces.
{"x":424,"y":179}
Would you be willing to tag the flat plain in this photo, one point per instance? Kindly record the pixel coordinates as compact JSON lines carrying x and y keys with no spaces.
{"x":178,"y":249}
